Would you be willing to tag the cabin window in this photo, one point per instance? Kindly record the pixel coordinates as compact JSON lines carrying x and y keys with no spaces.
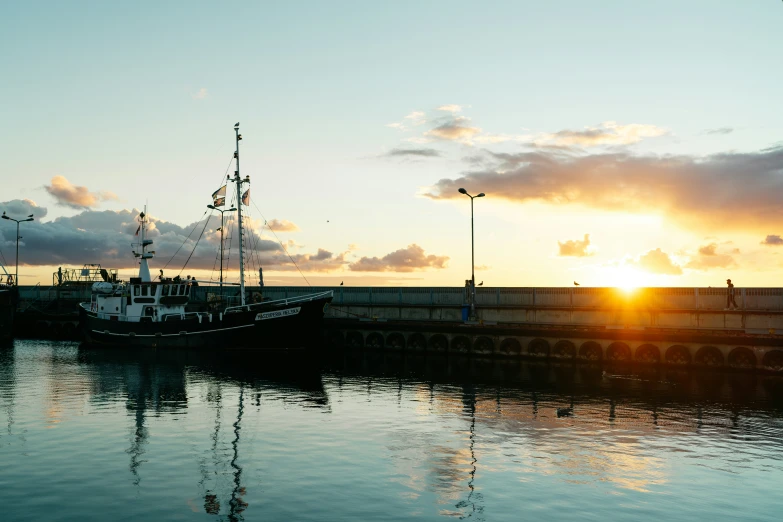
{"x":187,"y":290}
{"x":165,"y":290}
{"x":148,"y":311}
{"x":173,"y":289}
{"x":136,"y":290}
{"x":181,"y":289}
{"x":144,"y":290}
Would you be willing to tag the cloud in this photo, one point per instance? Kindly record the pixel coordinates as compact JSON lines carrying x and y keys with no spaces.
{"x":200,"y":94}
{"x":414,"y":118}
{"x":708,"y":250}
{"x":422,"y":153}
{"x":105,"y":237}
{"x":500,"y":138}
{"x":709,"y":258}
{"x":21,"y":208}
{"x":403,"y":260}
{"x":575,"y":247}
{"x":75,"y":196}
{"x":722,"y":130}
{"x":450,"y":108}
{"x":772,"y":240}
{"x":607,"y":133}
{"x":732,"y":190}
{"x":281,"y":225}
{"x":322,"y":261}
{"x":455,"y":129}
{"x":657,"y":262}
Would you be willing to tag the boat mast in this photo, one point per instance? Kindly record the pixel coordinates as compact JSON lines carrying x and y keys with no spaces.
{"x":239,"y":183}
{"x":144,"y":269}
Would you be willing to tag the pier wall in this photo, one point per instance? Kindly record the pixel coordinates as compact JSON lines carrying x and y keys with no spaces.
{"x":760,"y":309}
{"x":564,"y":345}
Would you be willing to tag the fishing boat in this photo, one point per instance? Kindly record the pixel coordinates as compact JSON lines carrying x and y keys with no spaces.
{"x":153,"y":313}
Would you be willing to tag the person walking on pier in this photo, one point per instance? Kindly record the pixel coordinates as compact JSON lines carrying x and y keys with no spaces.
{"x":730,"y":302}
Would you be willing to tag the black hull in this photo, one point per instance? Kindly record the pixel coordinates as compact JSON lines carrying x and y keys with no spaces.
{"x":7,"y":309}
{"x":258,"y":327}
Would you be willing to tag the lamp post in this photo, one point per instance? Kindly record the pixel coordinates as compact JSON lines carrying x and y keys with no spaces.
{"x":472,"y":255}
{"x":232,"y":209}
{"x":18,"y":237}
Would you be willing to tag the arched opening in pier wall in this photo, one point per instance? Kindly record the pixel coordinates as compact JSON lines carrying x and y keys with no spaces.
{"x":483,"y":346}
{"x":395,"y":341}
{"x":678,"y":355}
{"x":510,"y":347}
{"x":354,"y":340}
{"x":417,"y":342}
{"x":460,"y":344}
{"x":374,"y":341}
{"x":742,"y":357}
{"x":773,"y":360}
{"x":564,"y":350}
{"x":438,"y":343}
{"x":618,"y":352}
{"x":708,"y":356}
{"x":538,"y":348}
{"x":590,"y":351}
{"x":648,"y":354}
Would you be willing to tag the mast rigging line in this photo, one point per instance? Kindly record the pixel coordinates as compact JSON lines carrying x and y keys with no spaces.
{"x":186,"y":240}
{"x":206,"y":222}
{"x":281,"y":243}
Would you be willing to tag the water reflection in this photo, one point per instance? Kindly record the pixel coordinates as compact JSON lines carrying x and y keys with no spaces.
{"x":365,"y":435}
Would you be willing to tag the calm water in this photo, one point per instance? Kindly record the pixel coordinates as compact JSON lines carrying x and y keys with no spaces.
{"x":94,"y":435}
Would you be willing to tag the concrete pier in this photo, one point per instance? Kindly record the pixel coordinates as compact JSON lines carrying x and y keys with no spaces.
{"x":760,"y":309}
{"x":676,"y":326}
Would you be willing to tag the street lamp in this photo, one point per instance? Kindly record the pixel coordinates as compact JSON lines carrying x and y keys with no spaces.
{"x":232,"y":209}
{"x":18,"y":237}
{"x":472,"y":255}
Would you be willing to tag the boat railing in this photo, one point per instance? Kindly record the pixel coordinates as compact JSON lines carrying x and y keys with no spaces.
{"x":125,"y":318}
{"x":280,"y":302}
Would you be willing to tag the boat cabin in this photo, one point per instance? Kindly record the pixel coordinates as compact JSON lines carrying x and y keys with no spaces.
{"x":142,"y":301}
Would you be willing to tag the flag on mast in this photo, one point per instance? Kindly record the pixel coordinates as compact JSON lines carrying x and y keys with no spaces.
{"x":219,"y":197}
{"x":246,"y":197}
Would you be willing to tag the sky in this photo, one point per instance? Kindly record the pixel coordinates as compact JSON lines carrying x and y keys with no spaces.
{"x":618,"y":143}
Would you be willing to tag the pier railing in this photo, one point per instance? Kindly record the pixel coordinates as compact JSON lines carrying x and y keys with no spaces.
{"x":655,"y":298}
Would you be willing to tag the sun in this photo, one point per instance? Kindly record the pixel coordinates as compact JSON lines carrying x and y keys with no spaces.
{"x":627,"y":279}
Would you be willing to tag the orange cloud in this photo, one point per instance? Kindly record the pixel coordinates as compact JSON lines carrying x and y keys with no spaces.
{"x":575,"y":247}
{"x":403,"y":260}
{"x":657,"y":262}
{"x":607,"y":133}
{"x":75,"y":196}
{"x":282,"y":225}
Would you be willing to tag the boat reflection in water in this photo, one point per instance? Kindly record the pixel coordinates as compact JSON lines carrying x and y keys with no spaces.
{"x":155,"y":383}
{"x":378,"y":435}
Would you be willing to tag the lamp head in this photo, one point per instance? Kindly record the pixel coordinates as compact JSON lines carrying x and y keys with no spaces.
{"x":6,"y":217}
{"x":480,"y":195}
{"x":232,"y":209}
{"x":212,"y":207}
{"x":463,"y":191}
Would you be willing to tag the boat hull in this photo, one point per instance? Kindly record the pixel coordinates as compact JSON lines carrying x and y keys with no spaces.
{"x":258,"y":327}
{"x":7,"y":309}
